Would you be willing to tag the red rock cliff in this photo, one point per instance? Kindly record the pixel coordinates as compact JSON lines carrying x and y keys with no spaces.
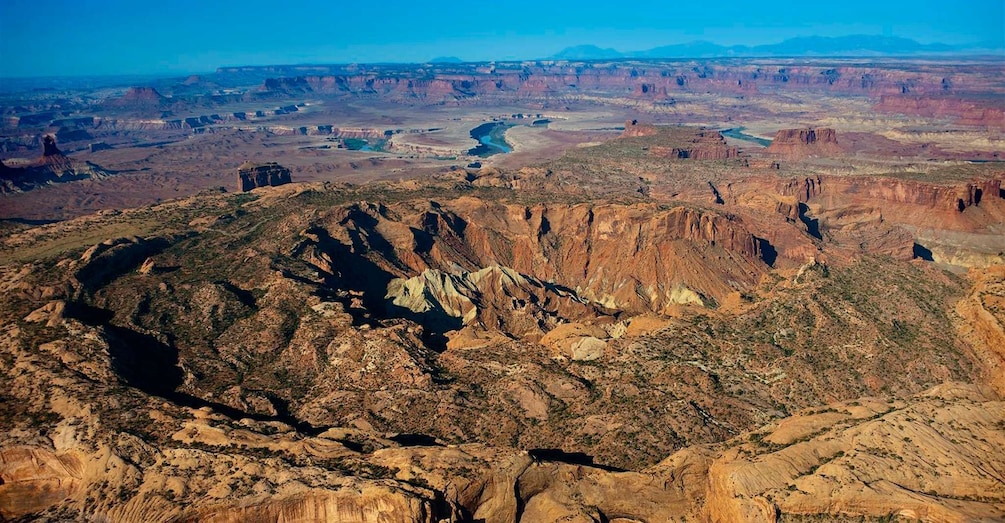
{"x":923,"y":195}
{"x":632,"y":257}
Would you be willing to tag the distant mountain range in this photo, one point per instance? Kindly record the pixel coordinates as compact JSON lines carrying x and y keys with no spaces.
{"x":806,"y":46}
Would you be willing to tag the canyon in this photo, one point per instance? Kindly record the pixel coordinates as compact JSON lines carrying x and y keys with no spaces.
{"x":634,"y":315}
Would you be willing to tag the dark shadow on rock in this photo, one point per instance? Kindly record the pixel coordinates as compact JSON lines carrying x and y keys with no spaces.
{"x":27,"y":221}
{"x":435,"y":323}
{"x":768,"y":252}
{"x":922,"y":252}
{"x":423,"y":241}
{"x":415,"y":440}
{"x":284,"y":415}
{"x":572,"y":458}
{"x":140,"y":360}
{"x":355,"y":272}
{"x":716,"y":193}
{"x":358,"y":273}
{"x":88,"y":315}
{"x":145,"y":363}
{"x":812,"y":224}
{"x":117,"y":260}
{"x":245,"y":297}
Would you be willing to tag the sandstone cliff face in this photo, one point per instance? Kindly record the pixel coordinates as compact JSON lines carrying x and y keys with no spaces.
{"x":943,"y":198}
{"x":251,"y":176}
{"x":369,"y":504}
{"x":802,"y":143}
{"x":581,"y":247}
{"x":35,"y":479}
{"x":901,"y":217}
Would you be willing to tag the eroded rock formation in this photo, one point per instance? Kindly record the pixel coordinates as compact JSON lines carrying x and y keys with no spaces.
{"x":251,"y":176}
{"x":801,"y":143}
{"x":634,"y":128}
{"x":705,"y":145}
{"x":922,"y":196}
{"x":52,"y":167}
{"x":579,"y":246}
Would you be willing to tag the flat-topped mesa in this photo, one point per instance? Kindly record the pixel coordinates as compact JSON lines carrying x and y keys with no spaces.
{"x":251,"y":176}
{"x":706,"y":145}
{"x":802,"y":143}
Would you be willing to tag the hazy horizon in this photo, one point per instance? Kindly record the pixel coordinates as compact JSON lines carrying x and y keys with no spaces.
{"x":113,"y":37}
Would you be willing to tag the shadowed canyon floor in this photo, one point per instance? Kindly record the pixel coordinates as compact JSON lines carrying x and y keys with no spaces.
{"x":656,"y":324}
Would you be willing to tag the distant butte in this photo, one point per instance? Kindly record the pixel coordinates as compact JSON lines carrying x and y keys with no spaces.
{"x":803,"y":143}
{"x":142,"y":94}
{"x":252,"y":176}
{"x":139,"y":99}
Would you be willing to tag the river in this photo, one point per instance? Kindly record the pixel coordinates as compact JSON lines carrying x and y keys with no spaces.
{"x":737,"y":132}
{"x":492,"y":137}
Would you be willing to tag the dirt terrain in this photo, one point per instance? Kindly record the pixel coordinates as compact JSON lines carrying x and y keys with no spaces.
{"x":616,"y":321}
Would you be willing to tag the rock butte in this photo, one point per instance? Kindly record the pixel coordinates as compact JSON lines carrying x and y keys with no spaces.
{"x":251,"y":176}
{"x":799,"y":143}
{"x":52,"y":167}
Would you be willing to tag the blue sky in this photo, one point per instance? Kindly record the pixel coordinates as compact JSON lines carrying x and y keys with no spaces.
{"x":61,"y":37}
